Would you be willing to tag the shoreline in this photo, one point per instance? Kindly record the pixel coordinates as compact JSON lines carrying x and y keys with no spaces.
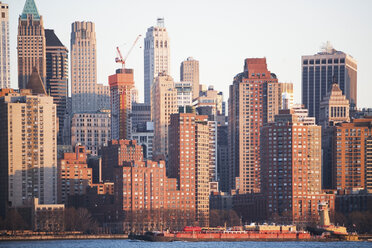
{"x":62,"y":237}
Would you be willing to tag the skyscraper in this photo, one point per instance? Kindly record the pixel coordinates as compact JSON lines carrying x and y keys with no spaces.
{"x":291,"y":167}
{"x":57,"y":75}
{"x":320,"y":71}
{"x":286,"y":95}
{"x":30,"y":44}
{"x":121,"y":85}
{"x":28,"y":138}
{"x":164,"y":103}
{"x":253,"y":102}
{"x":4,"y":46}
{"x":83,"y":67}
{"x":156,"y":56}
{"x":334,"y":109}
{"x":190,"y":72}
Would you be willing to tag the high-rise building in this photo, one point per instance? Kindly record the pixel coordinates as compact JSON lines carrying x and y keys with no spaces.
{"x":57,"y":75}
{"x":189,"y":159}
{"x":30,"y":44}
{"x":253,"y":102}
{"x":121,"y":85}
{"x":140,"y":115}
{"x":286,"y":95}
{"x":83,"y":67}
{"x":184,"y":93}
{"x":350,"y":160}
{"x":156,"y":56}
{"x":74,"y":176}
{"x":334,"y":109}
{"x":321,"y":70}
{"x":223,"y":158}
{"x":189,"y":72}
{"x":91,"y":130}
{"x":28,"y":144}
{"x":4,"y":46}
{"x":145,"y":138}
{"x":291,"y":167}
{"x":212,"y":98}
{"x":164,"y":103}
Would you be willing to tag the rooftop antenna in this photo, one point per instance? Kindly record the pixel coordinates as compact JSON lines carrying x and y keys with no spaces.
{"x":327,"y":47}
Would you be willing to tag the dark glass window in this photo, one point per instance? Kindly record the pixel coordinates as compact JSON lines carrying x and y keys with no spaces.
{"x":317,"y":61}
{"x":324,"y":61}
{"x":305,"y":62}
{"x":335,"y":61}
{"x":329,"y":61}
{"x":342,"y":60}
{"x":311,"y":62}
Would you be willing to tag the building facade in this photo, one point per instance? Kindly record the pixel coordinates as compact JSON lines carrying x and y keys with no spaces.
{"x":121,"y":85}
{"x":29,"y":149}
{"x":156,"y":55}
{"x":91,"y":130}
{"x":57,"y":75}
{"x":184,"y":93}
{"x":253,"y":102}
{"x":31,"y":48}
{"x":145,"y":138}
{"x":83,"y":67}
{"x":164,"y":103}
{"x":4,"y":46}
{"x":189,"y":72}
{"x":291,"y":169}
{"x":286,"y":95}
{"x":334,"y":109}
{"x":351,"y":154}
{"x":140,"y":115}
{"x":320,"y":71}
{"x":74,"y":176}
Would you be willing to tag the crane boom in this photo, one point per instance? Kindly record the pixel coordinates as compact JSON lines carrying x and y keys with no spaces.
{"x":122,"y":60}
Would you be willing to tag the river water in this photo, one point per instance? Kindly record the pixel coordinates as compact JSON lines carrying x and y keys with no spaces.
{"x":115,"y":243}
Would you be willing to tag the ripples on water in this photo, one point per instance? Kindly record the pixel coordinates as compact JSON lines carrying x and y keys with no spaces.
{"x":141,"y":244}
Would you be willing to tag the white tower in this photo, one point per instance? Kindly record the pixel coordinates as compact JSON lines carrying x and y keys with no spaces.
{"x":156,"y":55}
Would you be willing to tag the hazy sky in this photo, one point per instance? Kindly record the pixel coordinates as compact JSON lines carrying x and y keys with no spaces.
{"x":220,"y":34}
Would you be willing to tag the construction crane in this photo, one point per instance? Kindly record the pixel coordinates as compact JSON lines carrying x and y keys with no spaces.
{"x":122,"y":60}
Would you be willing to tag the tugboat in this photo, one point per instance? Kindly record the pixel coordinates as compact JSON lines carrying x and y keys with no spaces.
{"x":326,"y":227}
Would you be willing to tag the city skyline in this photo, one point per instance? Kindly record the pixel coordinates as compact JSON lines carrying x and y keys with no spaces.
{"x":188,"y":36}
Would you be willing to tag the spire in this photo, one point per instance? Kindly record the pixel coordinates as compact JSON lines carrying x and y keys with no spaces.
{"x":30,"y":9}
{"x":35,"y":84}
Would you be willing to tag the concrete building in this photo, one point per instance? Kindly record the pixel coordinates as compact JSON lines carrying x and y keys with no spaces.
{"x":291,"y":169}
{"x":28,"y":143}
{"x":189,"y":72}
{"x":4,"y":46}
{"x":103,"y":98}
{"x":321,"y":70}
{"x":184,"y":93}
{"x":140,"y":115}
{"x":223,"y":158}
{"x":74,"y":176}
{"x":57,"y":76}
{"x":351,"y":154}
{"x":121,"y":85}
{"x":212,"y":98}
{"x":253,"y":102}
{"x":156,"y":56}
{"x":83,"y":67}
{"x":31,"y":48}
{"x":286,"y":95}
{"x":145,"y":138}
{"x":334,"y":109}
{"x":164,"y":103}
{"x":48,"y":217}
{"x":91,"y":130}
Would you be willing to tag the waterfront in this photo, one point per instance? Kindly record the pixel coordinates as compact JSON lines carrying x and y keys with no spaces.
{"x":114,"y":243}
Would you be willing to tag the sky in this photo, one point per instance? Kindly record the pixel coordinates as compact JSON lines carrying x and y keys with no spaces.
{"x":218,"y":33}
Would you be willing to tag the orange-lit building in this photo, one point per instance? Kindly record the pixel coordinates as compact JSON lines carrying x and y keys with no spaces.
{"x":351,"y":168}
{"x":116,"y":153}
{"x":121,"y":87}
{"x":291,"y":167}
{"x":253,"y":102}
{"x":74,"y":176}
